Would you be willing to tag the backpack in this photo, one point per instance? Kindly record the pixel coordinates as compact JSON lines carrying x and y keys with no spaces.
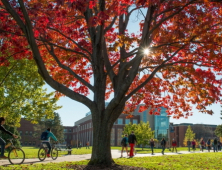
{"x":123,"y":141}
{"x":208,"y":142}
{"x":44,"y":135}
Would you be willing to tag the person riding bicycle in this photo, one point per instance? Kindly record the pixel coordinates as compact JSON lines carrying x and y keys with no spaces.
{"x":2,"y":142}
{"x":45,"y":138}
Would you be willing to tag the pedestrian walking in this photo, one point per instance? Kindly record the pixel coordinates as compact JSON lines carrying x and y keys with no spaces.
{"x":193,"y":143}
{"x":124,"y":143}
{"x":152,"y":144}
{"x":202,"y":143}
{"x":163,"y":144}
{"x":215,"y":145}
{"x":219,"y":145}
{"x":174,"y":145}
{"x":87,"y":145}
{"x":132,"y":143}
{"x":208,"y":145}
{"x":188,"y":144}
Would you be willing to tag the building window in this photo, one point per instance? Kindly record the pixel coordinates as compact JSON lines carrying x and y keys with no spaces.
{"x":70,"y":130}
{"x":135,"y":121}
{"x":120,"y":121}
{"x":25,"y":143}
{"x":30,"y":143}
{"x":33,"y":143}
{"x":26,"y":132}
{"x":65,"y":130}
{"x":30,"y":133}
{"x":65,"y":136}
{"x":127,"y":121}
{"x":20,"y":132}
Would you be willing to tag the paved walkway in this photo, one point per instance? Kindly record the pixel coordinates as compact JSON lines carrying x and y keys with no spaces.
{"x":115,"y":154}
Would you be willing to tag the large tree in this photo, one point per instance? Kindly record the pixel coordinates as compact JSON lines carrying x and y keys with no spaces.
{"x":22,"y":93}
{"x":84,"y":46}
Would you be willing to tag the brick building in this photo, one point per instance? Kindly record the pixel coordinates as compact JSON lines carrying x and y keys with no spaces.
{"x":201,"y":130}
{"x":26,"y":131}
{"x":82,"y":131}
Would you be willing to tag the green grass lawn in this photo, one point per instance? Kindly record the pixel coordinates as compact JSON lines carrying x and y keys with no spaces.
{"x":32,"y":152}
{"x":212,"y":161}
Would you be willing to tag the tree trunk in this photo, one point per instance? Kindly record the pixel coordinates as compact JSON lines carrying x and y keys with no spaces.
{"x":101,"y":151}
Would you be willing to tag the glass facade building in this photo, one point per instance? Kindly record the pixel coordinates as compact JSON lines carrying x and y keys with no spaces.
{"x":161,"y":124}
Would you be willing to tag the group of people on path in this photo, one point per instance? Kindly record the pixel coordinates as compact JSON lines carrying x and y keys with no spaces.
{"x":131,"y":140}
{"x":215,"y":144}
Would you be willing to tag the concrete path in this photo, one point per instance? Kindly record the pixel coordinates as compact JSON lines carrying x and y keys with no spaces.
{"x":69,"y":158}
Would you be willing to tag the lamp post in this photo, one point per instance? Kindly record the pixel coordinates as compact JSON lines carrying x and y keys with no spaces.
{"x":77,"y":136}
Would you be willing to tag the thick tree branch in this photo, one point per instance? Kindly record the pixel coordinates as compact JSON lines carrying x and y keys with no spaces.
{"x":51,"y":51}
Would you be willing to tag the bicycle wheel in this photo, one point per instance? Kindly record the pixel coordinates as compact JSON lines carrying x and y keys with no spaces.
{"x":16,"y":156}
{"x":54,"y":153}
{"x":42,"y":154}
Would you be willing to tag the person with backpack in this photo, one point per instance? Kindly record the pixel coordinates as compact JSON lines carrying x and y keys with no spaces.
{"x":188,"y":144}
{"x":45,"y":138}
{"x":132,"y":143}
{"x":208,"y":145}
{"x":215,"y":144}
{"x":2,"y":141}
{"x":124,"y":143}
{"x":193,"y":143}
{"x":163,"y":144}
{"x":152,"y":144}
{"x":174,"y":145}
{"x":202,"y":143}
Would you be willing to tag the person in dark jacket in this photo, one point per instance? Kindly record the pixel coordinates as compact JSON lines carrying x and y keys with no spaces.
{"x":193,"y":143}
{"x":208,"y":145}
{"x":132,"y":141}
{"x":163,"y":144}
{"x":188,"y":144}
{"x":2,"y":142}
{"x":152,"y":145}
{"x":215,"y":144}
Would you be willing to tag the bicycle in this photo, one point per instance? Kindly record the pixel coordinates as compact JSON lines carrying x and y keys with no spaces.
{"x":15,"y":155}
{"x":43,"y":152}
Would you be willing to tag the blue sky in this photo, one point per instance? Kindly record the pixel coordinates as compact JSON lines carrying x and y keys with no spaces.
{"x":72,"y":111}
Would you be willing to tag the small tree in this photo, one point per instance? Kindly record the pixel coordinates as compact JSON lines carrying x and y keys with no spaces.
{"x":129,"y":128}
{"x":189,"y":135}
{"x":218,"y":131}
{"x":142,"y":131}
